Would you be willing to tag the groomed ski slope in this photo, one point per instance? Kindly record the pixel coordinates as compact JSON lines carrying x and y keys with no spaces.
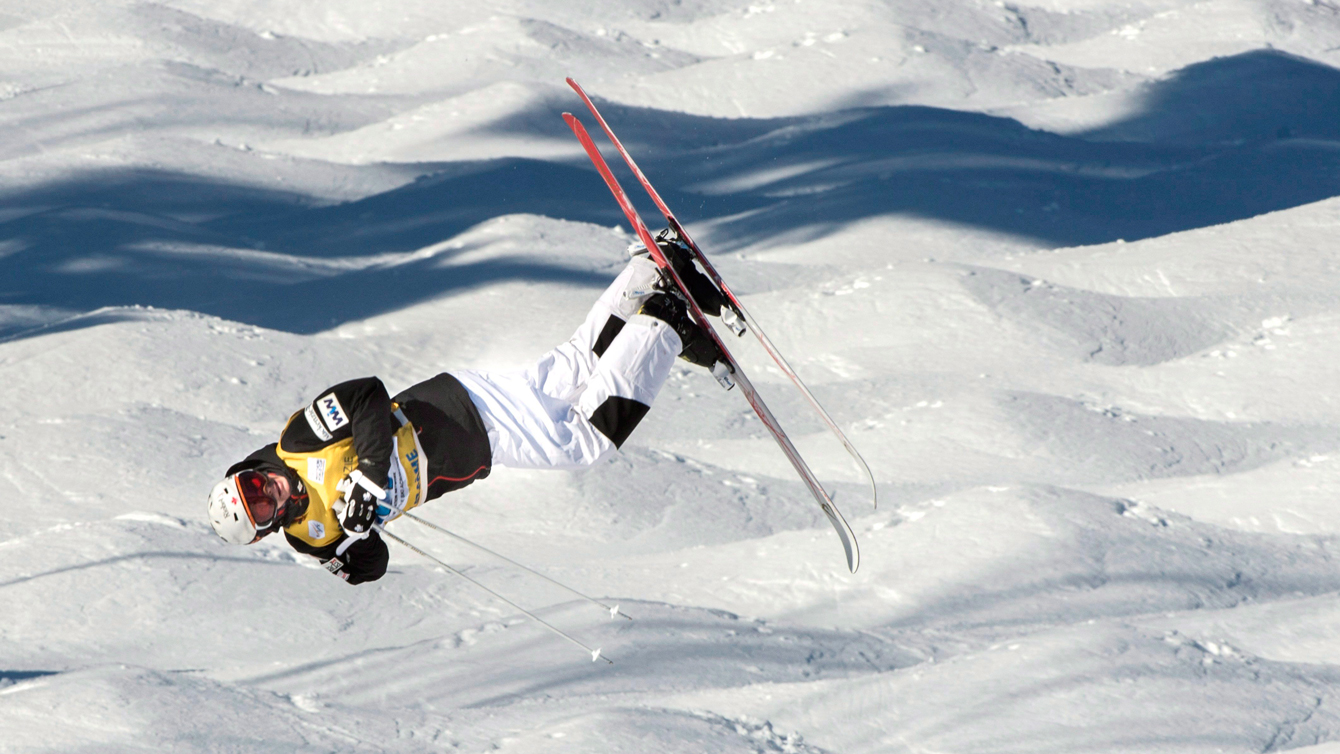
{"x":1065,"y":273}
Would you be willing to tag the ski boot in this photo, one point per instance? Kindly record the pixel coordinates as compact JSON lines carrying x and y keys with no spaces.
{"x":699,"y":286}
{"x":698,"y":346}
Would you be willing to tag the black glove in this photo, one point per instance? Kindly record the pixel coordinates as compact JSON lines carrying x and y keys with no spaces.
{"x":359,"y":560}
{"x":360,"y":504}
{"x":336,"y":566}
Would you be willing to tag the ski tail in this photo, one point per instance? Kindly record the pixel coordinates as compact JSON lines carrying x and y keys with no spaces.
{"x":634,"y":219}
{"x":734,"y":301}
{"x":844,"y":531}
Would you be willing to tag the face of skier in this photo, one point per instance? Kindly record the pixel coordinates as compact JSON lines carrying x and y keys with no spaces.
{"x":265,"y":494}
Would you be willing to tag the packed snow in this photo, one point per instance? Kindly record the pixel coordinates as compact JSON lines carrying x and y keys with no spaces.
{"x":1065,"y":271}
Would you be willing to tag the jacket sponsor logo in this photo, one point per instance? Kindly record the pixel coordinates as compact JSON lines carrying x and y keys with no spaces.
{"x":397,"y":489}
{"x":332,"y":413}
{"x":316,"y":530}
{"x":314,"y":422}
{"x":413,"y":458}
{"x":316,"y":470}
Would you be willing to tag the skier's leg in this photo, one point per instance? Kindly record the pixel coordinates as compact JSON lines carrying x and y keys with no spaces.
{"x":563,"y":372}
{"x":628,"y":377}
{"x":529,"y":429}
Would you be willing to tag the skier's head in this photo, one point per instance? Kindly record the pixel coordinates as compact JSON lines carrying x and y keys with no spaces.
{"x":249,"y":505}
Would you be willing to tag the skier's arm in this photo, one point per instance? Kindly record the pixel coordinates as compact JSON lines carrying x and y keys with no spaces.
{"x":358,"y":408}
{"x":356,"y":561}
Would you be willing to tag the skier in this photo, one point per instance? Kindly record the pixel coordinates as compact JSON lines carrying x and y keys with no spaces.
{"x":356,"y":456}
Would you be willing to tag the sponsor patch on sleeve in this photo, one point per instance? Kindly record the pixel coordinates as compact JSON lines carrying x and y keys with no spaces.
{"x":332,"y":413}
{"x":315,"y":423}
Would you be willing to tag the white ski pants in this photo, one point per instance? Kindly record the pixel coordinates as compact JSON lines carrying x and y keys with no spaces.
{"x":581,"y":400}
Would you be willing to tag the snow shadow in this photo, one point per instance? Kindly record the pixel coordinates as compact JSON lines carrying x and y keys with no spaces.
{"x":1219,"y":141}
{"x":666,"y":646}
{"x":162,"y":555}
{"x":270,"y":258}
{"x":1256,"y":96}
{"x":10,"y":677}
{"x":1119,"y":559}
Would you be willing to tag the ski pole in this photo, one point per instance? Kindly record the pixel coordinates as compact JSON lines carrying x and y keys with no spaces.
{"x":595,"y":653}
{"x":613,"y":611}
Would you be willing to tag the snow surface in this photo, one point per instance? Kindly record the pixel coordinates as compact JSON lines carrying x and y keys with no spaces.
{"x":1065,"y":271}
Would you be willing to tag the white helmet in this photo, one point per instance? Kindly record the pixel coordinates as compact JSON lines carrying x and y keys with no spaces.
{"x":229,"y":517}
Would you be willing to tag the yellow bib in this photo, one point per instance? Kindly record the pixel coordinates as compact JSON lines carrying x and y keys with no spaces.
{"x":322,"y":469}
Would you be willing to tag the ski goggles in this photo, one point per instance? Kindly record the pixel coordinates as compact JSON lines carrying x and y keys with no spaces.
{"x":264,"y":511}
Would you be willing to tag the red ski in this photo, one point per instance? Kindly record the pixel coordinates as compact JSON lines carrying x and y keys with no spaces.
{"x":739,"y":322}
